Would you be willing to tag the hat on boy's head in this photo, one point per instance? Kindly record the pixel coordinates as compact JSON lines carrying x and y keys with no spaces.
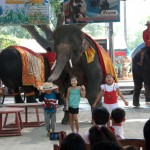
{"x":48,"y":86}
{"x":147,"y":23}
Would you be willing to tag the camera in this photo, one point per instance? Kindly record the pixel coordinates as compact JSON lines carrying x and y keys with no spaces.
{"x":54,"y":136}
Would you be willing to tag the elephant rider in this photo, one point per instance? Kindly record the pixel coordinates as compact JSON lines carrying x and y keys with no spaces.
{"x":146,"y":38}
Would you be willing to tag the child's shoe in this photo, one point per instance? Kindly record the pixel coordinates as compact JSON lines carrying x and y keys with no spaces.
{"x":48,"y":134}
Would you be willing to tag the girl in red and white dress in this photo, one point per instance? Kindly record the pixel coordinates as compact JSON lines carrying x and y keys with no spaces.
{"x":110,"y":91}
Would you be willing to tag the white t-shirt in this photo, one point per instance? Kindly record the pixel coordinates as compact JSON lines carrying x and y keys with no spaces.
{"x":118,"y":131}
{"x":109,"y":88}
{"x":86,"y":138}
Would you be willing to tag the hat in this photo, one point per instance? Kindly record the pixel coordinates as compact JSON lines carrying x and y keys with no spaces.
{"x":147,"y":23}
{"x":48,"y":86}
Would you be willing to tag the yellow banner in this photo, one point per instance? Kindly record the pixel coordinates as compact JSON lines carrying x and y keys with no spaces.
{"x":23,"y":1}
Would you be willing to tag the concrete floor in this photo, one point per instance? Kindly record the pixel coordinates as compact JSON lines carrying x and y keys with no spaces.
{"x":35,"y":137}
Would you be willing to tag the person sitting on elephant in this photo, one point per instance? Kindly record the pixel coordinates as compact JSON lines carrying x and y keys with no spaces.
{"x":110,"y":90}
{"x":72,"y":102}
{"x":50,"y":100}
{"x":146,"y":38}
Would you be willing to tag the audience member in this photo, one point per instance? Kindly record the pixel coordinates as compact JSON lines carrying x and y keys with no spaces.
{"x":117,"y":117}
{"x":73,"y":141}
{"x":106,"y":145}
{"x":100,"y":116}
{"x":99,"y":133}
{"x":146,"y":133}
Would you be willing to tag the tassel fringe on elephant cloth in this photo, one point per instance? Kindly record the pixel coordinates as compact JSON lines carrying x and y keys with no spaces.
{"x":105,"y":61}
{"x":32,"y":67}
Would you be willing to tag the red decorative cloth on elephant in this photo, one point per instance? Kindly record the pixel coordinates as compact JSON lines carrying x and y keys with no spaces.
{"x":105,"y":61}
{"x":51,"y":57}
{"x":32,"y":67}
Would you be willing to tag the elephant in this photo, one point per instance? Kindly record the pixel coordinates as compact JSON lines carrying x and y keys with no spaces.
{"x":75,"y":9}
{"x":141,"y":74}
{"x":70,"y":44}
{"x":11,"y":74}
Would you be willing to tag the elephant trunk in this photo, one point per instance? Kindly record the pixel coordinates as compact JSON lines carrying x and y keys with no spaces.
{"x":63,"y":56}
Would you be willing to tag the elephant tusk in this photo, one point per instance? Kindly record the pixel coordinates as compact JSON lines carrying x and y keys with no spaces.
{"x":70,"y":62}
{"x":53,"y":65}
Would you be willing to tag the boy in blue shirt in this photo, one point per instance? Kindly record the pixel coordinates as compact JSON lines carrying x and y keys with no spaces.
{"x":50,"y":99}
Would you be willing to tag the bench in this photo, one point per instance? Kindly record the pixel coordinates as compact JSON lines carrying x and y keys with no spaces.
{"x":36,"y":106}
{"x":138,"y":143}
{"x":11,"y":130}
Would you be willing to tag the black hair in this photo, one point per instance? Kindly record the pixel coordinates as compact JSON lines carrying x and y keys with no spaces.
{"x":106,"y":145}
{"x":73,"y":76}
{"x":110,"y":75}
{"x":118,"y":114}
{"x":73,"y":141}
{"x":146,"y":132}
{"x":100,"y":115}
{"x":101,"y":133}
{"x":48,"y":49}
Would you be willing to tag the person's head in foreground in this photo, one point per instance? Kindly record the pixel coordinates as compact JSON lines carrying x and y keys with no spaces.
{"x":73,"y":141}
{"x":106,"y":145}
{"x":99,"y":133}
{"x":146,"y":133}
{"x":100,"y":115}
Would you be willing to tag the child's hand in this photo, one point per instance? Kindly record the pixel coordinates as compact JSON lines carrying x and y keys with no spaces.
{"x":66,"y":108}
{"x":126,"y":103}
{"x":57,"y":90}
{"x":83,"y":87}
{"x":94,"y":105}
{"x":62,"y":135}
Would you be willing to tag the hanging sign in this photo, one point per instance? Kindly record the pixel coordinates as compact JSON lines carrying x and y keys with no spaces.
{"x":91,"y":11}
{"x":24,"y":12}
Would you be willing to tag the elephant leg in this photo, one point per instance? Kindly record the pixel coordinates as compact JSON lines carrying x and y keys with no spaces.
{"x":137,"y":89}
{"x":147,"y":93}
{"x":17,"y":96}
{"x":93,"y":80}
{"x":29,"y":94}
{"x":64,"y":83}
{"x":65,"y":119}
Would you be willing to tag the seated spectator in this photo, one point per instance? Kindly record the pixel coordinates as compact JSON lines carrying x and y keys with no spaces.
{"x":100,"y":116}
{"x":106,"y":145}
{"x":117,"y":117}
{"x":146,"y":132}
{"x":73,"y":141}
{"x":99,"y":133}
{"x":131,"y":148}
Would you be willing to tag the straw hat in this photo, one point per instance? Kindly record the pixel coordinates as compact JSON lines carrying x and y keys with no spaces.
{"x":48,"y":86}
{"x":147,"y":23}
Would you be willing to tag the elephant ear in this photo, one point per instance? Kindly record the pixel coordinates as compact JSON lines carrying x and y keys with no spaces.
{"x":85,"y":43}
{"x":88,"y":50}
{"x":90,"y":54}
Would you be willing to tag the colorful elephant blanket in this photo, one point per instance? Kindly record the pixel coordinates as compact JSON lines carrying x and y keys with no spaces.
{"x":105,"y":61}
{"x":32,"y":67}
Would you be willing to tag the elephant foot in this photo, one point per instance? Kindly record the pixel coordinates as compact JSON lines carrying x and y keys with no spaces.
{"x":136,"y":104}
{"x":29,"y":101}
{"x":19,"y":101}
{"x":65,"y":120}
{"x":147,"y":103}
